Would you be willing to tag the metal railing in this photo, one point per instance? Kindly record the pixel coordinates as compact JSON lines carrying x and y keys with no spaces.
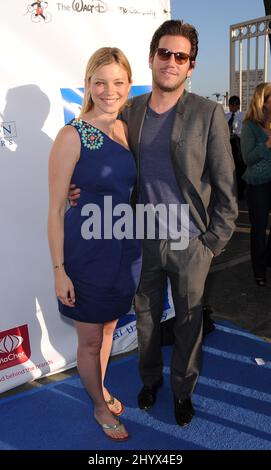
{"x":247,"y":78}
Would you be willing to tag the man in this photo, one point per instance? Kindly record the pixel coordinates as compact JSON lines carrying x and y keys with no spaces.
{"x":235,"y":118}
{"x":182,"y":150}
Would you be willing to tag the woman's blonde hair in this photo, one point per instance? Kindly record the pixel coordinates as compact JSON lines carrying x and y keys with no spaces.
{"x":103,"y":56}
{"x":255,"y":110}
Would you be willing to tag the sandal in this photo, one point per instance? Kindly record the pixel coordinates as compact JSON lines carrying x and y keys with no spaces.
{"x":111,"y":402}
{"x":113,"y":427}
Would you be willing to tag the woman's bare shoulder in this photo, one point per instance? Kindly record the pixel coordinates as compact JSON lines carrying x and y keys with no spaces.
{"x":69,"y":132}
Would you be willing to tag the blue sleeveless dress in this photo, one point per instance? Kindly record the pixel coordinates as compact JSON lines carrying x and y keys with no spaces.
{"x":105,"y":270}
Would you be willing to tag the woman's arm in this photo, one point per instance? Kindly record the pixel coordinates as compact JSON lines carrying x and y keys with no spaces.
{"x":252,"y":150}
{"x":63,"y":158}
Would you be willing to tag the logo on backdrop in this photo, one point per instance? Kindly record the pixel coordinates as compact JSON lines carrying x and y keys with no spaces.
{"x":8,"y":133}
{"x":136,"y":12}
{"x":96,"y":6}
{"x":14,"y":347}
{"x":38,"y":12}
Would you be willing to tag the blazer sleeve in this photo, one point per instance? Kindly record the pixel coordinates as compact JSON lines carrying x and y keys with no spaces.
{"x":224,"y":210}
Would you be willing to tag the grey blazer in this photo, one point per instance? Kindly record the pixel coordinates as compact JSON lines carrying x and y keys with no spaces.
{"x":202,"y":161}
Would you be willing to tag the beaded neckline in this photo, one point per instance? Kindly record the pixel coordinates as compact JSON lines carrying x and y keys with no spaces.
{"x":84,"y":125}
{"x":92,"y":138}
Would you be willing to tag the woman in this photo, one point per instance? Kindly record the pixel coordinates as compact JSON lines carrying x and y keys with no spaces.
{"x":95,"y":276}
{"x":256,"y":152}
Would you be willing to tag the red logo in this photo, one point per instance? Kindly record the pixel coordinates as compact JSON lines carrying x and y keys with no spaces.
{"x":14,"y":347}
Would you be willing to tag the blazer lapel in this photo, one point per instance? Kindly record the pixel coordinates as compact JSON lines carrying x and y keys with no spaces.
{"x":187,"y":189}
{"x":178,"y":121}
{"x":136,"y":124}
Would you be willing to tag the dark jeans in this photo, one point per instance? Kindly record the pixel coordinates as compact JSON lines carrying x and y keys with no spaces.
{"x":187,"y":271}
{"x":259,"y":203}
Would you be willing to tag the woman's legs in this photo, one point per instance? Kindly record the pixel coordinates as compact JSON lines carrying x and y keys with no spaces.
{"x":90,"y":338}
{"x":108,"y":331}
{"x":259,"y":198}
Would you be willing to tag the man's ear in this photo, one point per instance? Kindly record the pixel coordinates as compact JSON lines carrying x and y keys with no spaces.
{"x":191,"y":68}
{"x":192,"y":64}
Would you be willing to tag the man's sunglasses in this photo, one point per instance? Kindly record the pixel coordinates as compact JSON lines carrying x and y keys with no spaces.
{"x":180,"y":57}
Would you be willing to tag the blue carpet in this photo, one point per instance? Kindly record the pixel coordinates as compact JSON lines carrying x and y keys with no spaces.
{"x":232,"y":402}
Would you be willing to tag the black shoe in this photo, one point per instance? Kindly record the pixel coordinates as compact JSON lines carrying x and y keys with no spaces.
{"x":147,"y":396}
{"x":184,"y":411}
{"x":207,"y":325}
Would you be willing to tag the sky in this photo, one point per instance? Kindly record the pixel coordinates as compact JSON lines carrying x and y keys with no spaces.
{"x":212,"y":19}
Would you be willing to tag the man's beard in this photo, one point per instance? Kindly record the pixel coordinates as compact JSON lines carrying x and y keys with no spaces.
{"x":171,"y":88}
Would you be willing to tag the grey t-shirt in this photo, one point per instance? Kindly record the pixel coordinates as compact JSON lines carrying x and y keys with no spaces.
{"x":158,"y":184}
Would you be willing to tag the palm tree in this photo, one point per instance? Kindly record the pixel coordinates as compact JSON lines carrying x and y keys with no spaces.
{"x":217,"y":95}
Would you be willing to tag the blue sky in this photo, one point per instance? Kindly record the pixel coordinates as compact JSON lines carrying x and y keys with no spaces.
{"x":212,"y":19}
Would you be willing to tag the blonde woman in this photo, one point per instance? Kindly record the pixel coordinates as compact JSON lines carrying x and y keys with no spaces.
{"x":256,"y":152}
{"x":95,"y":277}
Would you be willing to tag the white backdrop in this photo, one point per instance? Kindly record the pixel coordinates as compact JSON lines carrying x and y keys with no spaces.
{"x":42,"y":66}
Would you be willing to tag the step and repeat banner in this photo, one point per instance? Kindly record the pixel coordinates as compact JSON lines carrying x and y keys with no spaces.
{"x":44,"y":50}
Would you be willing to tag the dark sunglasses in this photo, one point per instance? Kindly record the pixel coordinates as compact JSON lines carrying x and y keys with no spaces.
{"x":180,"y":57}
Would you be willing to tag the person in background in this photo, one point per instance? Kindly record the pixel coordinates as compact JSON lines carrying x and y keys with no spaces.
{"x":95,"y":277}
{"x":256,"y":152}
{"x":235,"y":118}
